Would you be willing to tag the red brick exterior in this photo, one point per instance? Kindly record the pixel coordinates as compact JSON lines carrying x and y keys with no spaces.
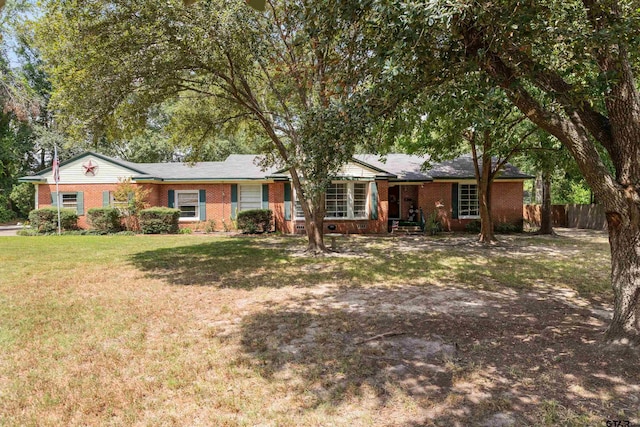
{"x":430,"y":196}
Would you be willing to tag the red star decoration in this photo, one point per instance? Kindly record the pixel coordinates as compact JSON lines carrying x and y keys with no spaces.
{"x":90,"y":168}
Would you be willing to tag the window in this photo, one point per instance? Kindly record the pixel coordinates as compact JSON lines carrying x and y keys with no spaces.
{"x":359,"y":200}
{"x":187,"y":202}
{"x":250,"y":197}
{"x":336,"y":201}
{"x":343,"y":200}
{"x":468,"y":201}
{"x":121,"y":205}
{"x":70,"y":201}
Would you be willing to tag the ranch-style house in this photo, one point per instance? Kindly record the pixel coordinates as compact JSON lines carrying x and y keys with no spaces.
{"x":367,"y":196}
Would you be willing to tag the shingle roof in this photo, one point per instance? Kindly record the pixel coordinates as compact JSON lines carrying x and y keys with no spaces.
{"x":399,"y":167}
{"x":408,"y":167}
{"x":236,"y":166}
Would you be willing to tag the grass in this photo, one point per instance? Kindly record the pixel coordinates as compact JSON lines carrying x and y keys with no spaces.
{"x":206,"y":330}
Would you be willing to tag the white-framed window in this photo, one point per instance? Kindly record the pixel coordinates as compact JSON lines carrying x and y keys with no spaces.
{"x":468,"y":206}
{"x":360,"y":199}
{"x":249,"y":197}
{"x":336,"y":200}
{"x":343,"y":200}
{"x":187,"y":202}
{"x":69,"y":200}
{"x":121,"y":205}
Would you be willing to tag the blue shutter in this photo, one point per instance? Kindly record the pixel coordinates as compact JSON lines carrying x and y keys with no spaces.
{"x":80,"y":200}
{"x":106,"y":199}
{"x":234,"y":200}
{"x":54,"y":198}
{"x":454,"y":200}
{"x":373,"y":200}
{"x":265,"y":196}
{"x":202,"y":204}
{"x":287,"y":201}
{"x":171,"y":198}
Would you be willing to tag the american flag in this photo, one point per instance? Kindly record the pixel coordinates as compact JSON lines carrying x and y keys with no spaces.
{"x":56,"y":165}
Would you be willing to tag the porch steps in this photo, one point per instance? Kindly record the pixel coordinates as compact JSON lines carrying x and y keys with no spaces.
{"x":407,"y":229}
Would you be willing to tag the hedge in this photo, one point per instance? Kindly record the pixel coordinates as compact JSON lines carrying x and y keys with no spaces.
{"x":45,"y":220}
{"x":255,"y":220}
{"x":159,"y":220}
{"x":105,"y":219}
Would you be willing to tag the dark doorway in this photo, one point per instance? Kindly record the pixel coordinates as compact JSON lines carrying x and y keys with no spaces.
{"x":394,"y":202}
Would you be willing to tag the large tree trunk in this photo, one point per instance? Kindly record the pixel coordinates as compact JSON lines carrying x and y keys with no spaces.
{"x":579,"y":124}
{"x":315,"y":233}
{"x":546,"y":222}
{"x":484,"y":177}
{"x":486,"y":219}
{"x":624,"y":240}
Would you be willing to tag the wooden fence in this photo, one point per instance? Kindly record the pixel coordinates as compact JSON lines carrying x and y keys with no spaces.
{"x":571,"y":216}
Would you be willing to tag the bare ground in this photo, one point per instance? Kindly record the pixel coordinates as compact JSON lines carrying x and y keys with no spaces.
{"x":178,"y":337}
{"x":444,"y":355}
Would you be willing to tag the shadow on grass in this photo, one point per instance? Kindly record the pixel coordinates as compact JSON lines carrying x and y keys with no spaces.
{"x":247,"y":263}
{"x":462,"y":357}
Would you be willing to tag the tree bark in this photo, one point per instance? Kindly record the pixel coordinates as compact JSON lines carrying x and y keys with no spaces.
{"x":576,"y":127}
{"x":624,"y":240}
{"x":546,"y":222}
{"x":484,"y":178}
{"x":487,"y":234}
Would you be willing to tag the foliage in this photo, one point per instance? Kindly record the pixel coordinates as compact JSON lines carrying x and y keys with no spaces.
{"x":185,"y":230}
{"x":45,"y":220}
{"x":106,"y":219}
{"x":6,"y":213}
{"x":255,"y":220}
{"x":210,"y":226}
{"x":294,"y":77}
{"x":508,"y":227}
{"x":159,"y":220}
{"x":23,"y":197}
{"x":433,"y":225}
{"x":130,"y":199}
{"x":473,"y":226}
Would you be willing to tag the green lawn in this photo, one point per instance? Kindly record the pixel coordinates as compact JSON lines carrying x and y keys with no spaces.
{"x":210,"y":330}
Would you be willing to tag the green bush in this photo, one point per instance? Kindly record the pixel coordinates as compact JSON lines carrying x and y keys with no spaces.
{"x":508,"y":227}
{"x":6,"y":214}
{"x":159,"y":220}
{"x":256,"y":220}
{"x":105,"y":219}
{"x":473,"y":226}
{"x":45,"y":220}
{"x":23,"y":197}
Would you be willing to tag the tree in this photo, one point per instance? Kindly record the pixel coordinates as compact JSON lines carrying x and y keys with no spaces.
{"x":287,"y":72}
{"x":569,"y":67}
{"x":464,"y":115}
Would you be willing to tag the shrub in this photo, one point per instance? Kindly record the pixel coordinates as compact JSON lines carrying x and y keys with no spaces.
{"x":6,"y":215}
{"x":473,"y":226}
{"x":186,"y":230}
{"x":508,"y":227}
{"x":105,"y":219}
{"x":23,"y":197}
{"x":159,"y":220}
{"x":210,"y":227}
{"x":255,"y":220}
{"x":45,"y":220}
{"x":432,"y":225}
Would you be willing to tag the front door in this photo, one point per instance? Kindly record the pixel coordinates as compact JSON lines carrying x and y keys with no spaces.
{"x":394,"y":202}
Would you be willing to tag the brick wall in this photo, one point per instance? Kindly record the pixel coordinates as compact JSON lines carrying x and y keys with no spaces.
{"x":506,"y":203}
{"x":92,"y":195}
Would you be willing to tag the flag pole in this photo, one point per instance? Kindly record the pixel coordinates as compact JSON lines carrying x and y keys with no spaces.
{"x":56,"y":178}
